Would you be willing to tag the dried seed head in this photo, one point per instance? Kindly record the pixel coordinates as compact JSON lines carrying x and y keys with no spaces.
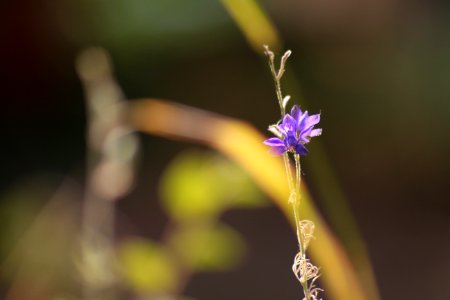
{"x":303,"y":269}
{"x":269,"y":53}
{"x":292,"y":197}
{"x":307,"y":232}
{"x":283,"y":63}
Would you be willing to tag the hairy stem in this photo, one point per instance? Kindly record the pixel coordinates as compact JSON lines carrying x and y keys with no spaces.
{"x":296,"y":208}
{"x":276,"y":79}
{"x":295,"y":190}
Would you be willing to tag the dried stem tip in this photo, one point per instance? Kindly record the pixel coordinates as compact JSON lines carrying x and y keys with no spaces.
{"x":269,"y":53}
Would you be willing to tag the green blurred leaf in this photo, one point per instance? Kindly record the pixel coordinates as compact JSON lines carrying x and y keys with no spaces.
{"x":203,"y":185}
{"x":207,"y":248}
{"x":134,"y":25}
{"x":190,"y":188}
{"x":147,"y":267}
{"x":238,"y":189}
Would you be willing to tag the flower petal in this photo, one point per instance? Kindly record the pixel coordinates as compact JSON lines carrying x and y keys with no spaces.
{"x":283,"y":132}
{"x":300,"y":149}
{"x":288,"y":124}
{"x":296,"y":112}
{"x":315,"y":132}
{"x":305,"y":134}
{"x":290,"y":140}
{"x":278,"y":146}
{"x":312,"y":120}
{"x":274,"y":142}
{"x":278,"y":150}
{"x":301,"y":121}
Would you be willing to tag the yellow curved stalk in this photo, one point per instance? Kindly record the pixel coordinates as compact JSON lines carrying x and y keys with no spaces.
{"x":253,"y":22}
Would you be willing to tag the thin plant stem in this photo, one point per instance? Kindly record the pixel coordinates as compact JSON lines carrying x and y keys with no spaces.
{"x":296,"y":208}
{"x":295,"y":190}
{"x":287,"y":166}
{"x":276,"y":79}
{"x":296,"y":203}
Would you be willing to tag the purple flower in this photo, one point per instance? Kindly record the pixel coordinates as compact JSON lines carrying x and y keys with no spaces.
{"x":294,"y":132}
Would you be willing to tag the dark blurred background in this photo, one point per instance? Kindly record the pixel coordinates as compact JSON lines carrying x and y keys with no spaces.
{"x":377,"y":70}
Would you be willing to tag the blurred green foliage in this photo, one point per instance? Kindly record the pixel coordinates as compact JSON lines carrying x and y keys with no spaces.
{"x":136,"y":25}
{"x":209,"y":248}
{"x":147,"y":266}
{"x":203,"y":185}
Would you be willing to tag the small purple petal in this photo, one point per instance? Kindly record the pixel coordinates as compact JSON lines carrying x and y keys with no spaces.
{"x":300,"y":149}
{"x":277,"y":145}
{"x":283,"y":132}
{"x":288,"y":124}
{"x":274,"y":142}
{"x":315,"y":132}
{"x":301,"y":122}
{"x":278,"y":150}
{"x":296,"y":112}
{"x":309,"y":133}
{"x":290,"y":140}
{"x":305,"y":134}
{"x":312,"y":120}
